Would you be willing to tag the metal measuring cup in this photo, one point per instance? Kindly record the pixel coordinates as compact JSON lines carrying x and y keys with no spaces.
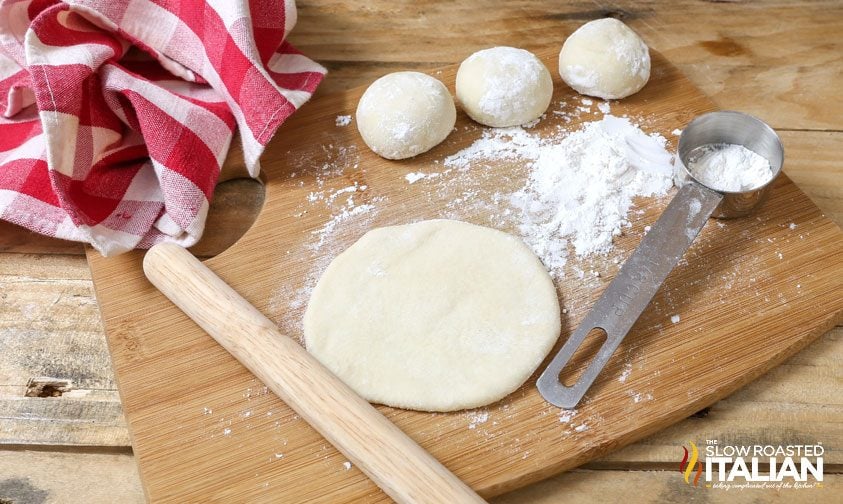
{"x":642,"y":274}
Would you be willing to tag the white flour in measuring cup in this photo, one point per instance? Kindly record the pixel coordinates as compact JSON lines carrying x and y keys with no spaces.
{"x":729,"y":167}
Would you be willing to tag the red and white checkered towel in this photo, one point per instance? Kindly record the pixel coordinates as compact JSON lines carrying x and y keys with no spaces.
{"x":116,"y":115}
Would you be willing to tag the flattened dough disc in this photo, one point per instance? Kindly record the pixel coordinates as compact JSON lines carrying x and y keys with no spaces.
{"x":438,"y":315}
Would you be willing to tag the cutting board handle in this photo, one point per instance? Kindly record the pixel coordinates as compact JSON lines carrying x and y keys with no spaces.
{"x":399,"y":466}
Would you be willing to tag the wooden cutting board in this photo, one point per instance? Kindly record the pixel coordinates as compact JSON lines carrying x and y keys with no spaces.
{"x":750,"y":293}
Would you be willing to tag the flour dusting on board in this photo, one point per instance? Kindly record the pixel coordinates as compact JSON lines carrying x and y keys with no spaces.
{"x":342,"y":120}
{"x":478,"y":418}
{"x":566,"y":415}
{"x":571,"y":191}
{"x":350,"y":212}
{"x":580,"y":185}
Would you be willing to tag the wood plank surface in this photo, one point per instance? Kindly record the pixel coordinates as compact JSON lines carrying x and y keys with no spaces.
{"x":42,"y":477}
{"x":50,"y":327}
{"x":646,"y":477}
{"x":778,"y":401}
{"x":50,"y":477}
{"x":735,"y":286}
{"x":814,"y":164}
{"x":777,"y":59}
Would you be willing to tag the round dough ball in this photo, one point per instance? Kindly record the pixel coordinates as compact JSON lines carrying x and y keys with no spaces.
{"x":504,"y":86}
{"x":403,"y":114}
{"x":606,"y":59}
{"x":438,"y":315}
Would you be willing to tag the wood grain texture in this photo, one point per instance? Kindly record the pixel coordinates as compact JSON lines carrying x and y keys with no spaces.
{"x":79,"y":418}
{"x":68,"y":309}
{"x":814,"y":165}
{"x":400,"y":467}
{"x":20,"y":240}
{"x":776,"y":401}
{"x":235,"y":205}
{"x":50,"y":326}
{"x":736,"y":53}
{"x":44,"y":477}
{"x":779,"y":60}
{"x":743,"y":55}
{"x":675,"y":370}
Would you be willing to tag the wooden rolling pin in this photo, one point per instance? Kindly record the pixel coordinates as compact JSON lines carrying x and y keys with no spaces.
{"x":404,"y":470}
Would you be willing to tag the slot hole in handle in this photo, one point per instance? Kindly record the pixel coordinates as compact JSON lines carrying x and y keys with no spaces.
{"x":570,"y":374}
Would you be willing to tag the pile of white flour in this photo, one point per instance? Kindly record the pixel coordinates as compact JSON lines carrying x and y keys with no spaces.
{"x":581,"y":184}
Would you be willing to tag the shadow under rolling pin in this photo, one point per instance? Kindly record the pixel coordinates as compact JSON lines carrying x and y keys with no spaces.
{"x":399,"y":466}
{"x":642,"y":274}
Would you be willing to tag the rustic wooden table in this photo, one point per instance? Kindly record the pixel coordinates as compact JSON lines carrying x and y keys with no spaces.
{"x":782,"y":61}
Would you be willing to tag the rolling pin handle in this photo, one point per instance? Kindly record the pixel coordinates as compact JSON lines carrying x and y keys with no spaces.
{"x":404,"y":470}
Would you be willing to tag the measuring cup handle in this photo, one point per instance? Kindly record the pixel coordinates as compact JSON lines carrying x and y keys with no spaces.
{"x":631,"y":291}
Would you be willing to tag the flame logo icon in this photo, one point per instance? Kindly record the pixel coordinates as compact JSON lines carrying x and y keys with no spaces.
{"x":686,"y":467}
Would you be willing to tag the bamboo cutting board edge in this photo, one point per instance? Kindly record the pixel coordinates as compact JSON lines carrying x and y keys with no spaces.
{"x":121,"y":318}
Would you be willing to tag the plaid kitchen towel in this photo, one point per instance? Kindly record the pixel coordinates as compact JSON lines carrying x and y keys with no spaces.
{"x":116,"y":115}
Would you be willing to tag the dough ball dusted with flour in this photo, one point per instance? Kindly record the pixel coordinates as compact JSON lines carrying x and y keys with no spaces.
{"x":606,"y":59}
{"x":403,"y":114}
{"x":504,"y":86}
{"x":437,"y":315}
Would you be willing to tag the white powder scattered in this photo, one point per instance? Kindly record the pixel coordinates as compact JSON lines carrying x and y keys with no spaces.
{"x":279,"y":455}
{"x":534,"y":122}
{"x":580,"y":186}
{"x":347,"y":465}
{"x":330,"y":196}
{"x":604,"y":107}
{"x":675,"y":319}
{"x":345,"y":190}
{"x":792,"y":226}
{"x":348,"y":212}
{"x":676,"y":132}
{"x":565,"y":416}
{"x":637,"y":397}
{"x":207,"y":411}
{"x":343,"y":120}
{"x":226,"y":432}
{"x":478,"y":418}
{"x":570,"y":192}
{"x":496,"y":144}
{"x":729,"y":167}
{"x":627,"y":370}
{"x":414,"y":177}
{"x":581,"y":428}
